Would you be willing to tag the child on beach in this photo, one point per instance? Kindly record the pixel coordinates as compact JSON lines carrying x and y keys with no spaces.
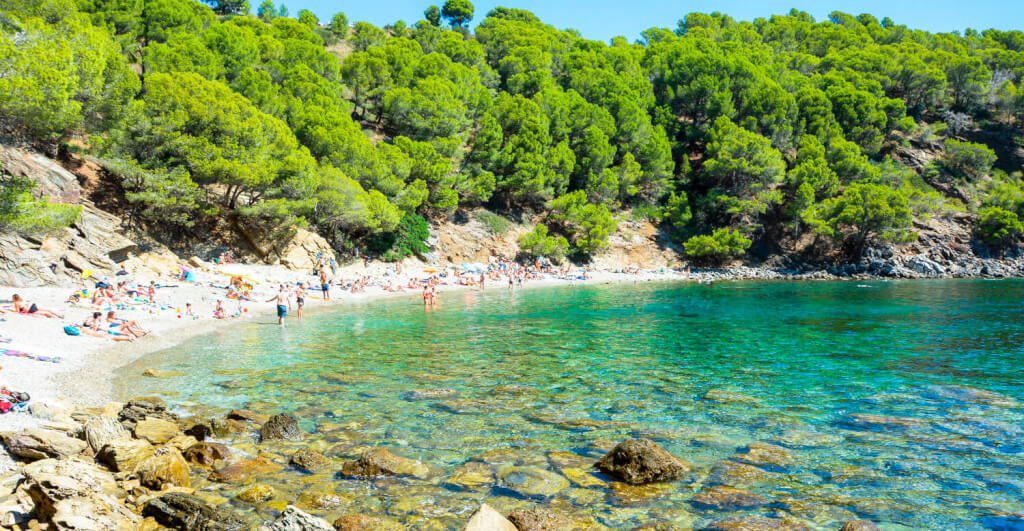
{"x":218,"y":312}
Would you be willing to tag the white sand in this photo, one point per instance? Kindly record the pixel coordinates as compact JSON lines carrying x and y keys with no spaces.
{"x":84,"y":374}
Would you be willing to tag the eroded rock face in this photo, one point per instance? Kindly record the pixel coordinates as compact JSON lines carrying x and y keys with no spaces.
{"x":487,"y":519}
{"x":309,"y":460}
{"x":36,"y":444}
{"x":639,"y":461}
{"x":381,"y":462}
{"x":294,"y":519}
{"x":207,"y":454}
{"x":281,"y":426}
{"x":178,"y":510}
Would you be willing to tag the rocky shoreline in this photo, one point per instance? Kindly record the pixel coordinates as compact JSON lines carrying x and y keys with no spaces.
{"x":139,"y":466}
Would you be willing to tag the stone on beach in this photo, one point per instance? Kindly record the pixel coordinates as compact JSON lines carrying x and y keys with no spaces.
{"x":101,"y":430}
{"x":639,"y":461}
{"x":156,"y":430}
{"x":166,"y":467}
{"x":123,"y":455}
{"x":178,"y":510}
{"x":281,"y":426}
{"x":294,"y":519}
{"x":381,"y":462}
{"x":487,"y":519}
{"x":36,"y":444}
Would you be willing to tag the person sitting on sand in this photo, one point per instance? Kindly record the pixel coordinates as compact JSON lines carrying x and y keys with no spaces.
{"x":219,"y":312}
{"x":188,"y":309}
{"x":22,"y":307}
{"x":93,"y":326}
{"x":125,"y":326}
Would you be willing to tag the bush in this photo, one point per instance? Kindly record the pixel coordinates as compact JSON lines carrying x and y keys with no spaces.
{"x":997,"y":225}
{"x":968,"y":160}
{"x":494,"y":223}
{"x":409,"y":238}
{"x":538,"y":243}
{"x":21,"y":212}
{"x":721,"y":244}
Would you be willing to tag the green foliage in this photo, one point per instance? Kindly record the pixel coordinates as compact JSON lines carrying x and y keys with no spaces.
{"x":717,"y":247}
{"x":968,"y":160}
{"x":538,"y":243}
{"x":864,"y":213}
{"x":21,"y":212}
{"x":677,"y":211}
{"x":589,"y":224}
{"x":433,"y":15}
{"x":998,"y":226}
{"x":457,"y":12}
{"x":407,"y":239}
{"x":495,"y":223}
{"x":339,"y":25}
{"x":307,"y":18}
{"x":166,"y":197}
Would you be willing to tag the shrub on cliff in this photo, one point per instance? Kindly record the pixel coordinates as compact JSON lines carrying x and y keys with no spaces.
{"x":21,"y":212}
{"x":717,"y":247}
{"x":863,"y":213}
{"x":408,"y":238}
{"x":998,"y":226}
{"x":968,"y":160}
{"x":538,"y":243}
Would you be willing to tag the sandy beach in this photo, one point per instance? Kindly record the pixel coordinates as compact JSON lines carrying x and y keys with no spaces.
{"x":83,"y":374}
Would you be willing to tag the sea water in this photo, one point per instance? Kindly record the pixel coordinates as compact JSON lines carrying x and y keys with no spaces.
{"x":900,"y":402}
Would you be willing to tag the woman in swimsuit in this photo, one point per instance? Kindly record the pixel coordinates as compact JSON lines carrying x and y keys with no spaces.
{"x":20,"y":306}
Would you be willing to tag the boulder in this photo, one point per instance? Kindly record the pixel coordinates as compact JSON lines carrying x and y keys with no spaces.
{"x":309,"y":460}
{"x":257,"y":494}
{"x":200,"y":430}
{"x":35,"y":444}
{"x":166,"y":467}
{"x":281,"y":426}
{"x":723,"y":498}
{"x":380,"y":462}
{"x":178,"y":510}
{"x":532,"y":482}
{"x":300,"y":253}
{"x":102,"y":430}
{"x":243,"y":470}
{"x":294,"y":519}
{"x":487,"y":519}
{"x":539,"y":519}
{"x":859,"y":525}
{"x":156,"y":430}
{"x":207,"y":454}
{"x":123,"y":455}
{"x":138,"y":409}
{"x":183,"y":442}
{"x":360,"y":522}
{"x":639,"y":461}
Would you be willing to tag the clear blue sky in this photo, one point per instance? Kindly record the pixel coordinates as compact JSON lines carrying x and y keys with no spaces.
{"x":603,"y":19}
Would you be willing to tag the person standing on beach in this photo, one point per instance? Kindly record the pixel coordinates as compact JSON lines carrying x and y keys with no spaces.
{"x":325,"y":284}
{"x":482,"y":278}
{"x":284,"y":303}
{"x":300,"y":298}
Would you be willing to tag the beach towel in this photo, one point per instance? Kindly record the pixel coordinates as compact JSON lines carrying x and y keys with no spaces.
{"x":26,"y":355}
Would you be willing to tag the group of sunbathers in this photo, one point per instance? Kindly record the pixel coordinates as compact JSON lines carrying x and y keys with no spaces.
{"x":112,"y":327}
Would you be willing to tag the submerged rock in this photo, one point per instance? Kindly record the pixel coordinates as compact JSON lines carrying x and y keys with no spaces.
{"x":626,"y":494}
{"x":244,"y":470}
{"x":639,"y":461}
{"x":320,"y":500}
{"x":294,"y":519}
{"x":879,"y":422}
{"x":157,"y":373}
{"x":757,"y":523}
{"x":429,"y":394}
{"x":207,"y":454}
{"x":178,"y":510}
{"x":972,"y":395}
{"x":257,"y":494}
{"x":759,"y":453}
{"x":381,"y":462}
{"x":359,"y":522}
{"x":859,"y":525}
{"x":530,"y":482}
{"x":736,"y":474}
{"x":471,"y":475}
{"x":728,"y":397}
{"x":309,"y":460}
{"x":36,"y":444}
{"x":281,"y":426}
{"x":487,"y":519}
{"x":245,"y":415}
{"x":724,"y":498}
{"x":538,"y":519}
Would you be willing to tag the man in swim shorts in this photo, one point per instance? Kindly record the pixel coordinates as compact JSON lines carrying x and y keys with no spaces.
{"x":284,"y":304}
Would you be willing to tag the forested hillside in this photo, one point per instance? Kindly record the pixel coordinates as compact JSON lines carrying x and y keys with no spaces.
{"x":835,"y":133}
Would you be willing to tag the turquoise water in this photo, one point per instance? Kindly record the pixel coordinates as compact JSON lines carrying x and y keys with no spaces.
{"x":703,"y":370}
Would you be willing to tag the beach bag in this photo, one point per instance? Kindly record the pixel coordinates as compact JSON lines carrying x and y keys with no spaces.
{"x":72,"y":331}
{"x":14,"y":397}
{"x":5,"y":406}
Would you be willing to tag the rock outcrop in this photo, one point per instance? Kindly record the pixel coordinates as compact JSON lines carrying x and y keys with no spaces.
{"x":639,"y":461}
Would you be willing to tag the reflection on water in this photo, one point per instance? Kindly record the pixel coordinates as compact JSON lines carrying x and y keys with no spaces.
{"x":856,"y":384}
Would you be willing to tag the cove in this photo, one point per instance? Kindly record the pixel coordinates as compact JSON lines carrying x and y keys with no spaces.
{"x":898,"y":402}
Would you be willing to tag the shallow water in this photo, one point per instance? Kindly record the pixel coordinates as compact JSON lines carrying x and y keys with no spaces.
{"x":792,"y":364}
